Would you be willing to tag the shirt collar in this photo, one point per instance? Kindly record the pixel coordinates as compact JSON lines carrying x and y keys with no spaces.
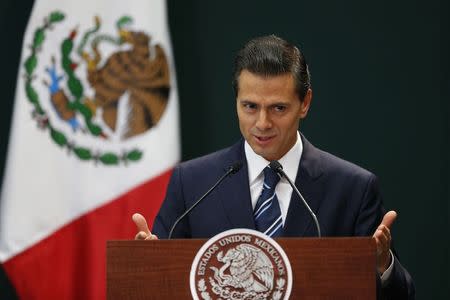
{"x":290,"y":161}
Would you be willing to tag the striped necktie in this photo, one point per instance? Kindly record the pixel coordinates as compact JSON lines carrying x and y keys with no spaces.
{"x":267,"y":211}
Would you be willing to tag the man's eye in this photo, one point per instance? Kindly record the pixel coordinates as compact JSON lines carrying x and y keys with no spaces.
{"x":249,"y":106}
{"x":279,"y":108}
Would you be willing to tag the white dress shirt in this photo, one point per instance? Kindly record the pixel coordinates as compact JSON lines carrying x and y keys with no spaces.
{"x":290,"y":162}
{"x":256,"y":164}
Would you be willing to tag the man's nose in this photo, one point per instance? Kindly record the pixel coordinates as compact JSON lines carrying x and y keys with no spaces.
{"x":263,"y":122}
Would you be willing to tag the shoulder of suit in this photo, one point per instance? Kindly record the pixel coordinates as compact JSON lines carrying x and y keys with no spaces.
{"x":214,"y":160}
{"x":331,"y":164}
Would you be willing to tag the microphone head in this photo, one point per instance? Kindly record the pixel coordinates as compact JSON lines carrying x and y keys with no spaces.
{"x":235,"y":167}
{"x":276,"y":166}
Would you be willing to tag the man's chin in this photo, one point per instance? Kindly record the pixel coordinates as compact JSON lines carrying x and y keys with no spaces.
{"x":265,"y":153}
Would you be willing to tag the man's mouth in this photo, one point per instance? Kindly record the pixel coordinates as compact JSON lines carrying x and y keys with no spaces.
{"x":263,"y":139}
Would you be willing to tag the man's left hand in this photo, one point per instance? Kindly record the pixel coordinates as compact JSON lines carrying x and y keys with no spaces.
{"x":382,"y":237}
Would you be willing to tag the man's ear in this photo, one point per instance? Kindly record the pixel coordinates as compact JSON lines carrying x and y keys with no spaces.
{"x":305,"y":104}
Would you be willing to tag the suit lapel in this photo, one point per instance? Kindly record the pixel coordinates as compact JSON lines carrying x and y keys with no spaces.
{"x":235,"y":197}
{"x":298,"y":220}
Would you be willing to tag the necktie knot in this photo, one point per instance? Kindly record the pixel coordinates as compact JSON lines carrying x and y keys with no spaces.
{"x":271,"y":177}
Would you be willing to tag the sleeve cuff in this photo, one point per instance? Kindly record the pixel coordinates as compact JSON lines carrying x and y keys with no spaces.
{"x":387,"y":274}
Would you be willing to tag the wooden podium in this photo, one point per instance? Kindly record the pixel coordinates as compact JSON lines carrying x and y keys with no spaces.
{"x":325,"y":268}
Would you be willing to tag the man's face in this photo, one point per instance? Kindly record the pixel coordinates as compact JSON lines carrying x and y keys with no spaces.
{"x":269,"y":112}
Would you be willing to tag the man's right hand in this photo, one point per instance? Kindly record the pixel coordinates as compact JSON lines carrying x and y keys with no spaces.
{"x":144,"y":233}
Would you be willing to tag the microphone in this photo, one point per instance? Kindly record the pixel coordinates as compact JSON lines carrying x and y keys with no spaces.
{"x":277,"y":167}
{"x":233,"y":169}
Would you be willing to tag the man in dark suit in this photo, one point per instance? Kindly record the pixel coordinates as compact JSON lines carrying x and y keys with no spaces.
{"x":273,"y":93}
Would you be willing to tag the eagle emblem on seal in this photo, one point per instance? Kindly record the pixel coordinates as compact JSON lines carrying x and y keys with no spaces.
{"x":246,"y":267}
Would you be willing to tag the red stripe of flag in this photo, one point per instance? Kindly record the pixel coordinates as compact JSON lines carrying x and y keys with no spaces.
{"x":70,"y":263}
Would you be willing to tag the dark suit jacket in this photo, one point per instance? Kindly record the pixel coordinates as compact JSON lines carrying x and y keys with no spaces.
{"x":345,"y":198}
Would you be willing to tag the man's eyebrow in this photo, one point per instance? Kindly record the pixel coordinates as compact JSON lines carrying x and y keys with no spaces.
{"x":284,"y":103}
{"x":245,"y":101}
{"x":278,"y":103}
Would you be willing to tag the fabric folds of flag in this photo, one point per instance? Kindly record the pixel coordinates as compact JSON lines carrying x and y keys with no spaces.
{"x":94,"y":138}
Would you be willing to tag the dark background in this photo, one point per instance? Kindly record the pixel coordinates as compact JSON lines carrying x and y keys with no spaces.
{"x":381,"y":82}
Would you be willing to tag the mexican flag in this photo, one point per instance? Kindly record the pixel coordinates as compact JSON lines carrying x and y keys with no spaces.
{"x":94,"y":139}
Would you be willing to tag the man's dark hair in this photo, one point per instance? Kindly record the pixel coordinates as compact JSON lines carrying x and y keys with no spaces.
{"x":270,"y":56}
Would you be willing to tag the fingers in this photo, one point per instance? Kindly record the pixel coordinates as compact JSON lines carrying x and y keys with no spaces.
{"x":383,"y":238}
{"x":141,"y":236}
{"x":389,"y":218}
{"x":383,"y":232}
{"x":141,"y":223}
{"x":151,"y":237}
{"x":144,"y":233}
